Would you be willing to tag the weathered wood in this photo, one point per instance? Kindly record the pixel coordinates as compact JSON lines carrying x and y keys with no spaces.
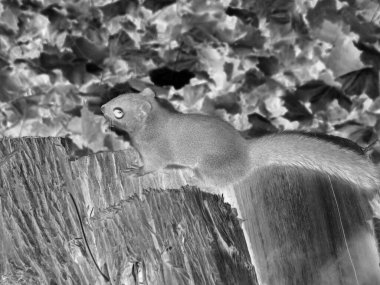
{"x":151,"y":236}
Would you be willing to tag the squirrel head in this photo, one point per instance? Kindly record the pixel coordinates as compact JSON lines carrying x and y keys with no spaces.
{"x":129,"y":112}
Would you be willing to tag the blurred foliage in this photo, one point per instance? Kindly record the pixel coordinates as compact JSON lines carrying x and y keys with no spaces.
{"x":261,"y":65}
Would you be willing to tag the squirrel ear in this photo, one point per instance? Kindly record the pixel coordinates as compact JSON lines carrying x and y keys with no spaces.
{"x":148,"y":93}
{"x":143,"y":110}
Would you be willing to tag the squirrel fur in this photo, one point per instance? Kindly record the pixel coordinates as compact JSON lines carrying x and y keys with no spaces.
{"x":218,"y":154}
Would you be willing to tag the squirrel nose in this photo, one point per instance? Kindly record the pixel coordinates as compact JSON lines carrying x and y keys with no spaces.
{"x":102,"y":109}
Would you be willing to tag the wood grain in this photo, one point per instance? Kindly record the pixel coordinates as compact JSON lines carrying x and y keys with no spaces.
{"x":138,"y":232}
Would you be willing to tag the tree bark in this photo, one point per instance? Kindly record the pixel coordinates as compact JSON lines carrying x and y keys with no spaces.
{"x":137,"y":232}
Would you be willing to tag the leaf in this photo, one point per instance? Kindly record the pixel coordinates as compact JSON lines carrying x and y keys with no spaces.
{"x":268,"y":65}
{"x":229,"y":102}
{"x":357,"y":132}
{"x":260,"y":126}
{"x":118,"y":8}
{"x":296,"y":110}
{"x":8,"y":23}
{"x":246,"y":16}
{"x":252,"y":39}
{"x":120,"y":43}
{"x":370,"y":53}
{"x":85,"y":49}
{"x":253,"y":78}
{"x":165,"y":76}
{"x":11,"y":86}
{"x":320,"y":95}
{"x":156,"y":5}
{"x":365,"y":80}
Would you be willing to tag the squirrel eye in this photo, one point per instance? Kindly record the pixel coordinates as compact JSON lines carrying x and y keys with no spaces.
{"x":118,"y":113}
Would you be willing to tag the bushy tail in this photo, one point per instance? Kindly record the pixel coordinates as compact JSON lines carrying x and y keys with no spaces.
{"x":305,"y":151}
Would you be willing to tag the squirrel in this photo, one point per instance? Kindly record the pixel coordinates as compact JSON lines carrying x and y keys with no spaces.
{"x":217,"y":153}
{"x":219,"y":156}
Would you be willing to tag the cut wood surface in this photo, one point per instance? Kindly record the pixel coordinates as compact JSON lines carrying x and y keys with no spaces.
{"x":138,"y":231}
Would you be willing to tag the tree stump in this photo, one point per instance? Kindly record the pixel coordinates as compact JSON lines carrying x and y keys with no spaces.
{"x":137,"y":232}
